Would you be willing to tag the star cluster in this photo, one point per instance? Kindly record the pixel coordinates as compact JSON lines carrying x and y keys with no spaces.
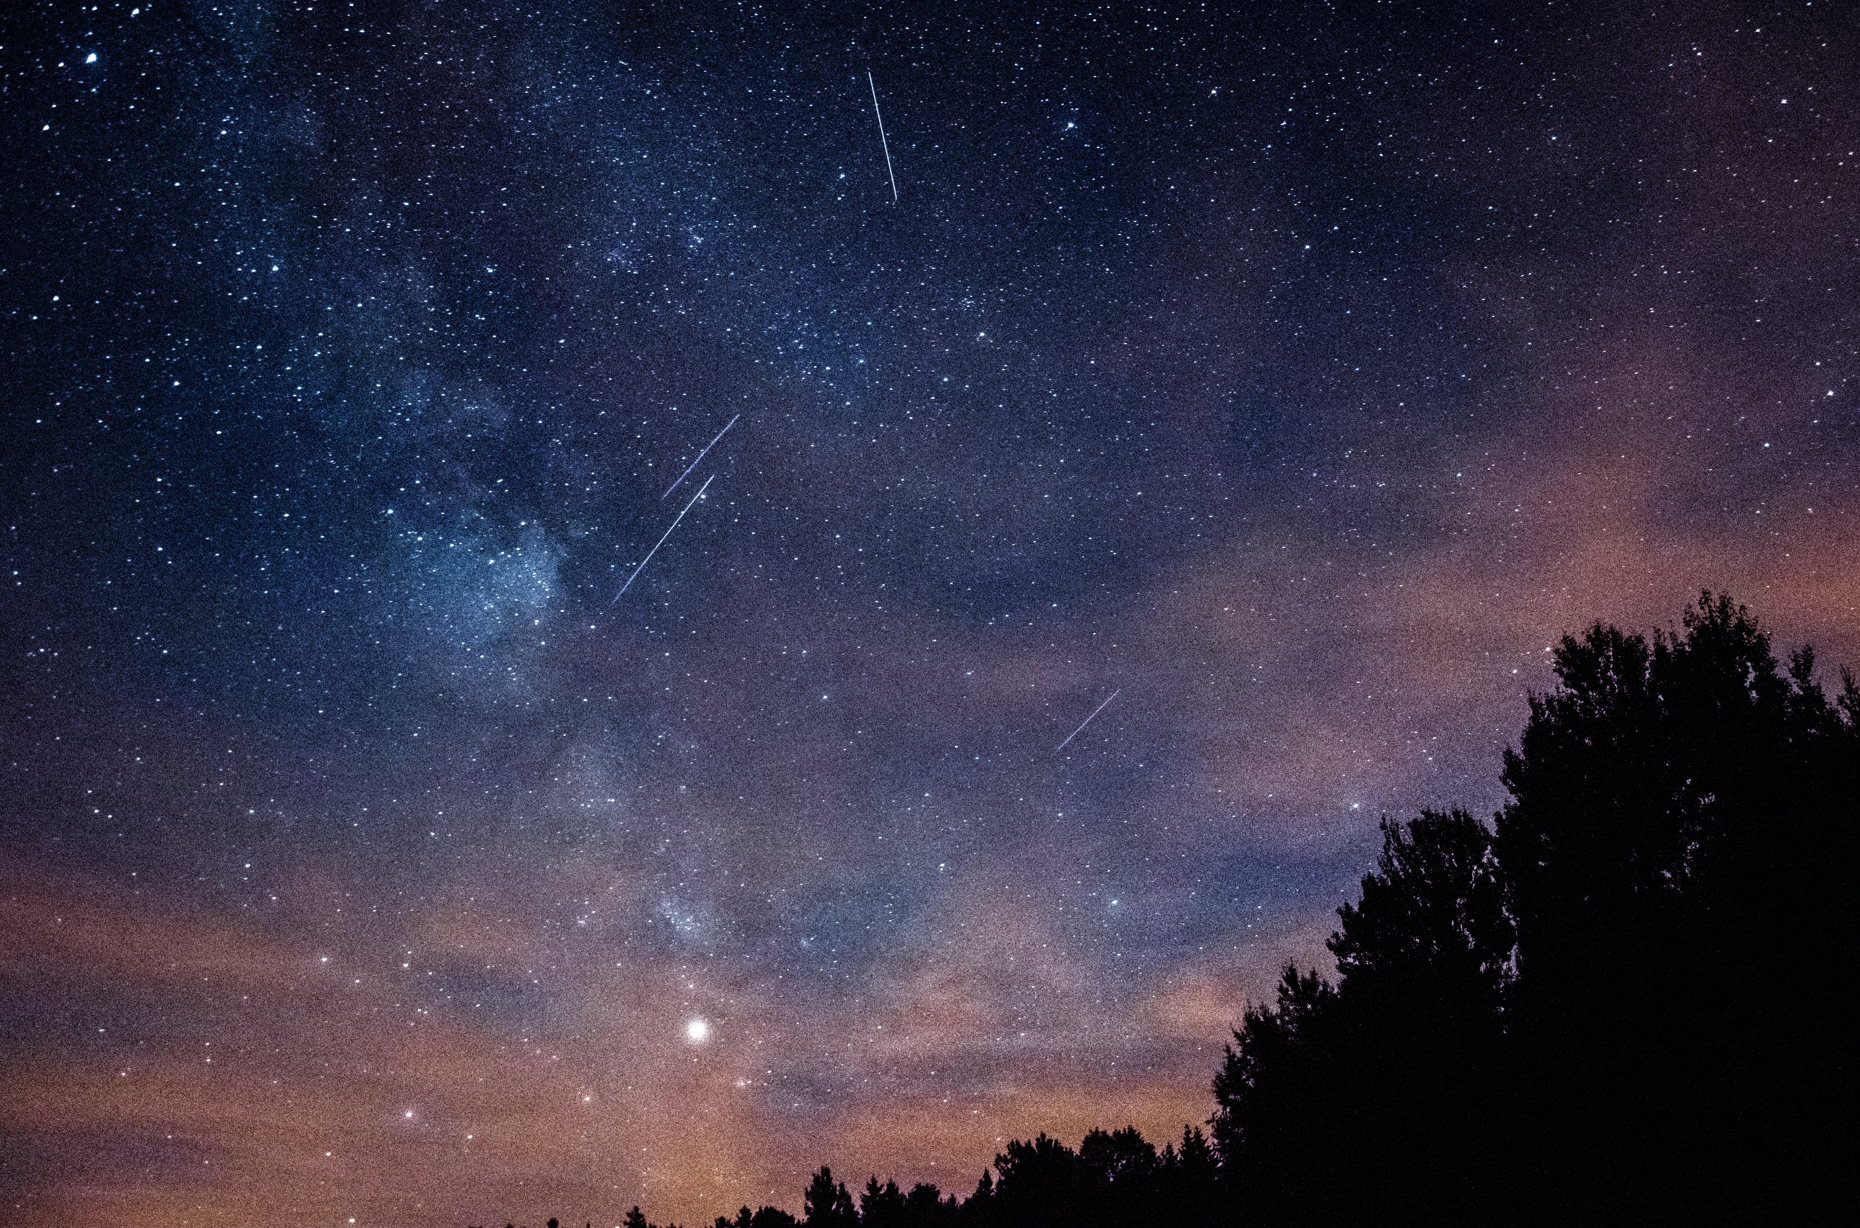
{"x":1252,"y":396}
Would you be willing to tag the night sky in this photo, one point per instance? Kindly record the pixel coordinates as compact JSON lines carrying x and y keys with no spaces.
{"x":1275,"y":384}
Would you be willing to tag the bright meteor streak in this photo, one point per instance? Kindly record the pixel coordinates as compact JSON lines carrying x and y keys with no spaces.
{"x":881,"y":136}
{"x":1094,"y":712}
{"x":668,"y":533}
{"x":700,"y":456}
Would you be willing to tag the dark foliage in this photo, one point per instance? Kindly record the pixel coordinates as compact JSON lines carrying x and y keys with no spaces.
{"x":827,"y":1203}
{"x":761,"y":1217}
{"x":1682,"y":826}
{"x":1619,"y":1005}
{"x":1113,"y":1179}
{"x":884,"y":1206}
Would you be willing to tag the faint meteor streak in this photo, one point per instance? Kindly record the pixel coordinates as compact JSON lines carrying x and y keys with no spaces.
{"x":881,"y":136}
{"x":700,"y":456}
{"x":668,"y":533}
{"x":1094,"y":712}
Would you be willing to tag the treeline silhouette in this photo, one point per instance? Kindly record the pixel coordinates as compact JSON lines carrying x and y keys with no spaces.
{"x":1624,"y":1002}
{"x":1112,"y":1179}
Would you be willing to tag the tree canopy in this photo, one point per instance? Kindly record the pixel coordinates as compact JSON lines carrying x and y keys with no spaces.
{"x":1618,"y":1003}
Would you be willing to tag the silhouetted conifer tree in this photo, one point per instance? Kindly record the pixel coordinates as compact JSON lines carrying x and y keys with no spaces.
{"x":827,"y":1204}
{"x":881,"y":1206}
{"x":925,"y":1207}
{"x":979,"y":1210}
{"x":1187,"y":1188}
{"x":761,"y":1217}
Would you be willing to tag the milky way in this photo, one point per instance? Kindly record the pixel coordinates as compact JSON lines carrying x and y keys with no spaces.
{"x":1295,"y":377}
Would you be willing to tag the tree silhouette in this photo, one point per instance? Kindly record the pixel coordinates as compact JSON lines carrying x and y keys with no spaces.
{"x":1540,"y":1024}
{"x":1424,"y":963}
{"x":1270,"y":1091}
{"x":827,"y":1203}
{"x":1039,"y":1184}
{"x":881,"y":1206}
{"x":1187,"y":1189}
{"x":761,"y":1217}
{"x":1433,"y":909}
{"x":925,"y":1207}
{"x":1678,"y":810}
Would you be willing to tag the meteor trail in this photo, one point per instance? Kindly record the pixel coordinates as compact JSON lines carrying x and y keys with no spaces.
{"x":668,"y":533}
{"x":1094,"y":712}
{"x":881,"y":136}
{"x":700,"y":456}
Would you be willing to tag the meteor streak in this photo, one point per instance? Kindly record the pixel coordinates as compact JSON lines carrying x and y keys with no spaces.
{"x":881,"y":136}
{"x":1094,"y":712}
{"x":668,"y":533}
{"x":700,"y":456}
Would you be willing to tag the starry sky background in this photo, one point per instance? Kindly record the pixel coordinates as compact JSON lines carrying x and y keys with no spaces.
{"x":1292,"y":376}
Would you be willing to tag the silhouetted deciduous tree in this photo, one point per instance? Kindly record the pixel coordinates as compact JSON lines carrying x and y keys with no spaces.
{"x":1270,"y":1094}
{"x":1039,"y":1184}
{"x":1623,"y":1005}
{"x":1424,"y":962}
{"x":1677,"y":854}
{"x":1434,"y":909}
